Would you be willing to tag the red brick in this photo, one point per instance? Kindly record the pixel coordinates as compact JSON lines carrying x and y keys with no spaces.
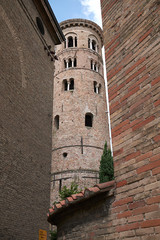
{"x":139,"y":82}
{"x":135,"y":74}
{"x":157,"y":103}
{"x":155,"y":158}
{"x":147,"y":167}
{"x":113,"y":73}
{"x":157,"y":138}
{"x":152,"y":200}
{"x":143,"y":123}
{"x":118,"y":152}
{"x":111,"y":42}
{"x":145,"y":35}
{"x":111,"y":50}
{"x":122,"y":183}
{"x":124,"y":214}
{"x":120,"y":209}
{"x":132,"y":155}
{"x":123,"y":201}
{"x":156,"y":80}
{"x":127,"y":227}
{"x":150,"y":223}
{"x":130,"y":93}
{"x":145,"y":209}
{"x":136,"y":204}
{"x":156,"y":171}
{"x":140,"y":101}
{"x":135,"y":65}
{"x":120,"y":125}
{"x":144,"y":156}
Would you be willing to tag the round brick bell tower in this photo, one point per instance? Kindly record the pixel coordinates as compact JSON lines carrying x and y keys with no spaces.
{"x":80,"y":125}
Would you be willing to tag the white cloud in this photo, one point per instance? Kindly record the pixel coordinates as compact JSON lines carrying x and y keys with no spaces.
{"x":92,"y":10}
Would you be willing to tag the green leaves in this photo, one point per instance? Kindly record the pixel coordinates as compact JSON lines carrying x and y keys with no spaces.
{"x":106,"y":170}
{"x":67,"y":192}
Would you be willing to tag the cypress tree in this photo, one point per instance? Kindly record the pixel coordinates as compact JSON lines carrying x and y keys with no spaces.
{"x":106,"y":170}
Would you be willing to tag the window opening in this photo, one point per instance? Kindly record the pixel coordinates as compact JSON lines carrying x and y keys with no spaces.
{"x":70,"y":62}
{"x":88,"y":119}
{"x":70,"y":41}
{"x":91,"y":64}
{"x":94,"y":45}
{"x":75,"y":62}
{"x":75,"y":41}
{"x":56,"y":121}
{"x":65,"y":64}
{"x":89,"y":42}
{"x":40,"y":25}
{"x":65,"y":85}
{"x":95,"y":84}
{"x":71,"y":87}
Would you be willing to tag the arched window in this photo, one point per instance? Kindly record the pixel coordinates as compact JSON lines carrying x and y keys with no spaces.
{"x":95,"y":86}
{"x":71,"y":86}
{"x":94,"y":45}
{"x":88,"y":119}
{"x":70,"y":41}
{"x":89,"y":42}
{"x":56,"y":121}
{"x":75,"y":41}
{"x":75,"y":62}
{"x":69,"y":62}
{"x":65,"y":64}
{"x":65,"y":84}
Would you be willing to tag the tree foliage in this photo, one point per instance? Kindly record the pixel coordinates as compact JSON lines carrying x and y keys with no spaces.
{"x":106,"y":170}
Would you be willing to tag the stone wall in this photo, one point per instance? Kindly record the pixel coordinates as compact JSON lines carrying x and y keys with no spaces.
{"x":131,"y":39}
{"x":25,"y":120}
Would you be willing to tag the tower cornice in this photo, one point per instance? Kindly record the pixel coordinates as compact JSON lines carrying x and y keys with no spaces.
{"x":79,"y":22}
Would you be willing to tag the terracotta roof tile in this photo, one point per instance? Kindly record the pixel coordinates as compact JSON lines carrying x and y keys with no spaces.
{"x":78,"y":197}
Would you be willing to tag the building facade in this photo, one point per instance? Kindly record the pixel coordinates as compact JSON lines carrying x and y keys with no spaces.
{"x":131,"y":40}
{"x":29,"y":31}
{"x":80,"y":126}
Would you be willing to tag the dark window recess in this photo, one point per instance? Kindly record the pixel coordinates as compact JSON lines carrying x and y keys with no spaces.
{"x":71,"y":86}
{"x":91,"y":64}
{"x":88,"y":42}
{"x":88,"y":119}
{"x":40,"y":25}
{"x":70,"y":63}
{"x":70,"y":41}
{"x":56,"y":121}
{"x":75,"y":62}
{"x":65,"y":154}
{"x":94,"y":45}
{"x":75,"y":41}
{"x":65,"y":85}
{"x":65,"y":43}
{"x":65,"y":64}
{"x":95,"y":84}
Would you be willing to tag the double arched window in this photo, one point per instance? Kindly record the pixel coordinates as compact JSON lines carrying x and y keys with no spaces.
{"x":68,"y":85}
{"x":97,"y":87}
{"x":92,"y":44}
{"x":71,"y":41}
{"x":94,"y":66}
{"x":70,"y":62}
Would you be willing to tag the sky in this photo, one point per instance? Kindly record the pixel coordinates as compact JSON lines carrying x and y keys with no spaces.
{"x":67,"y":9}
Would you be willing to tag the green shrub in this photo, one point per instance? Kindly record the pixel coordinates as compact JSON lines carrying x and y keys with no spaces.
{"x":67,"y":192}
{"x":53,"y":235}
{"x":106,"y":170}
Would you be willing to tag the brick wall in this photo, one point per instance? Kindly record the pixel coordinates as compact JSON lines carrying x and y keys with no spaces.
{"x":131,"y":39}
{"x":25,"y":121}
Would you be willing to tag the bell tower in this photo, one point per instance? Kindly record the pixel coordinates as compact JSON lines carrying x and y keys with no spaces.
{"x":80,"y":124}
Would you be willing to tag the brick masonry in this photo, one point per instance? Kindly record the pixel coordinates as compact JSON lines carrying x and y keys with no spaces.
{"x":131,"y":39}
{"x":25,"y":120}
{"x":83,"y":145}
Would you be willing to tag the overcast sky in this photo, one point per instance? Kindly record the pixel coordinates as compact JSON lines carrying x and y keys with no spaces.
{"x":67,"y":9}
